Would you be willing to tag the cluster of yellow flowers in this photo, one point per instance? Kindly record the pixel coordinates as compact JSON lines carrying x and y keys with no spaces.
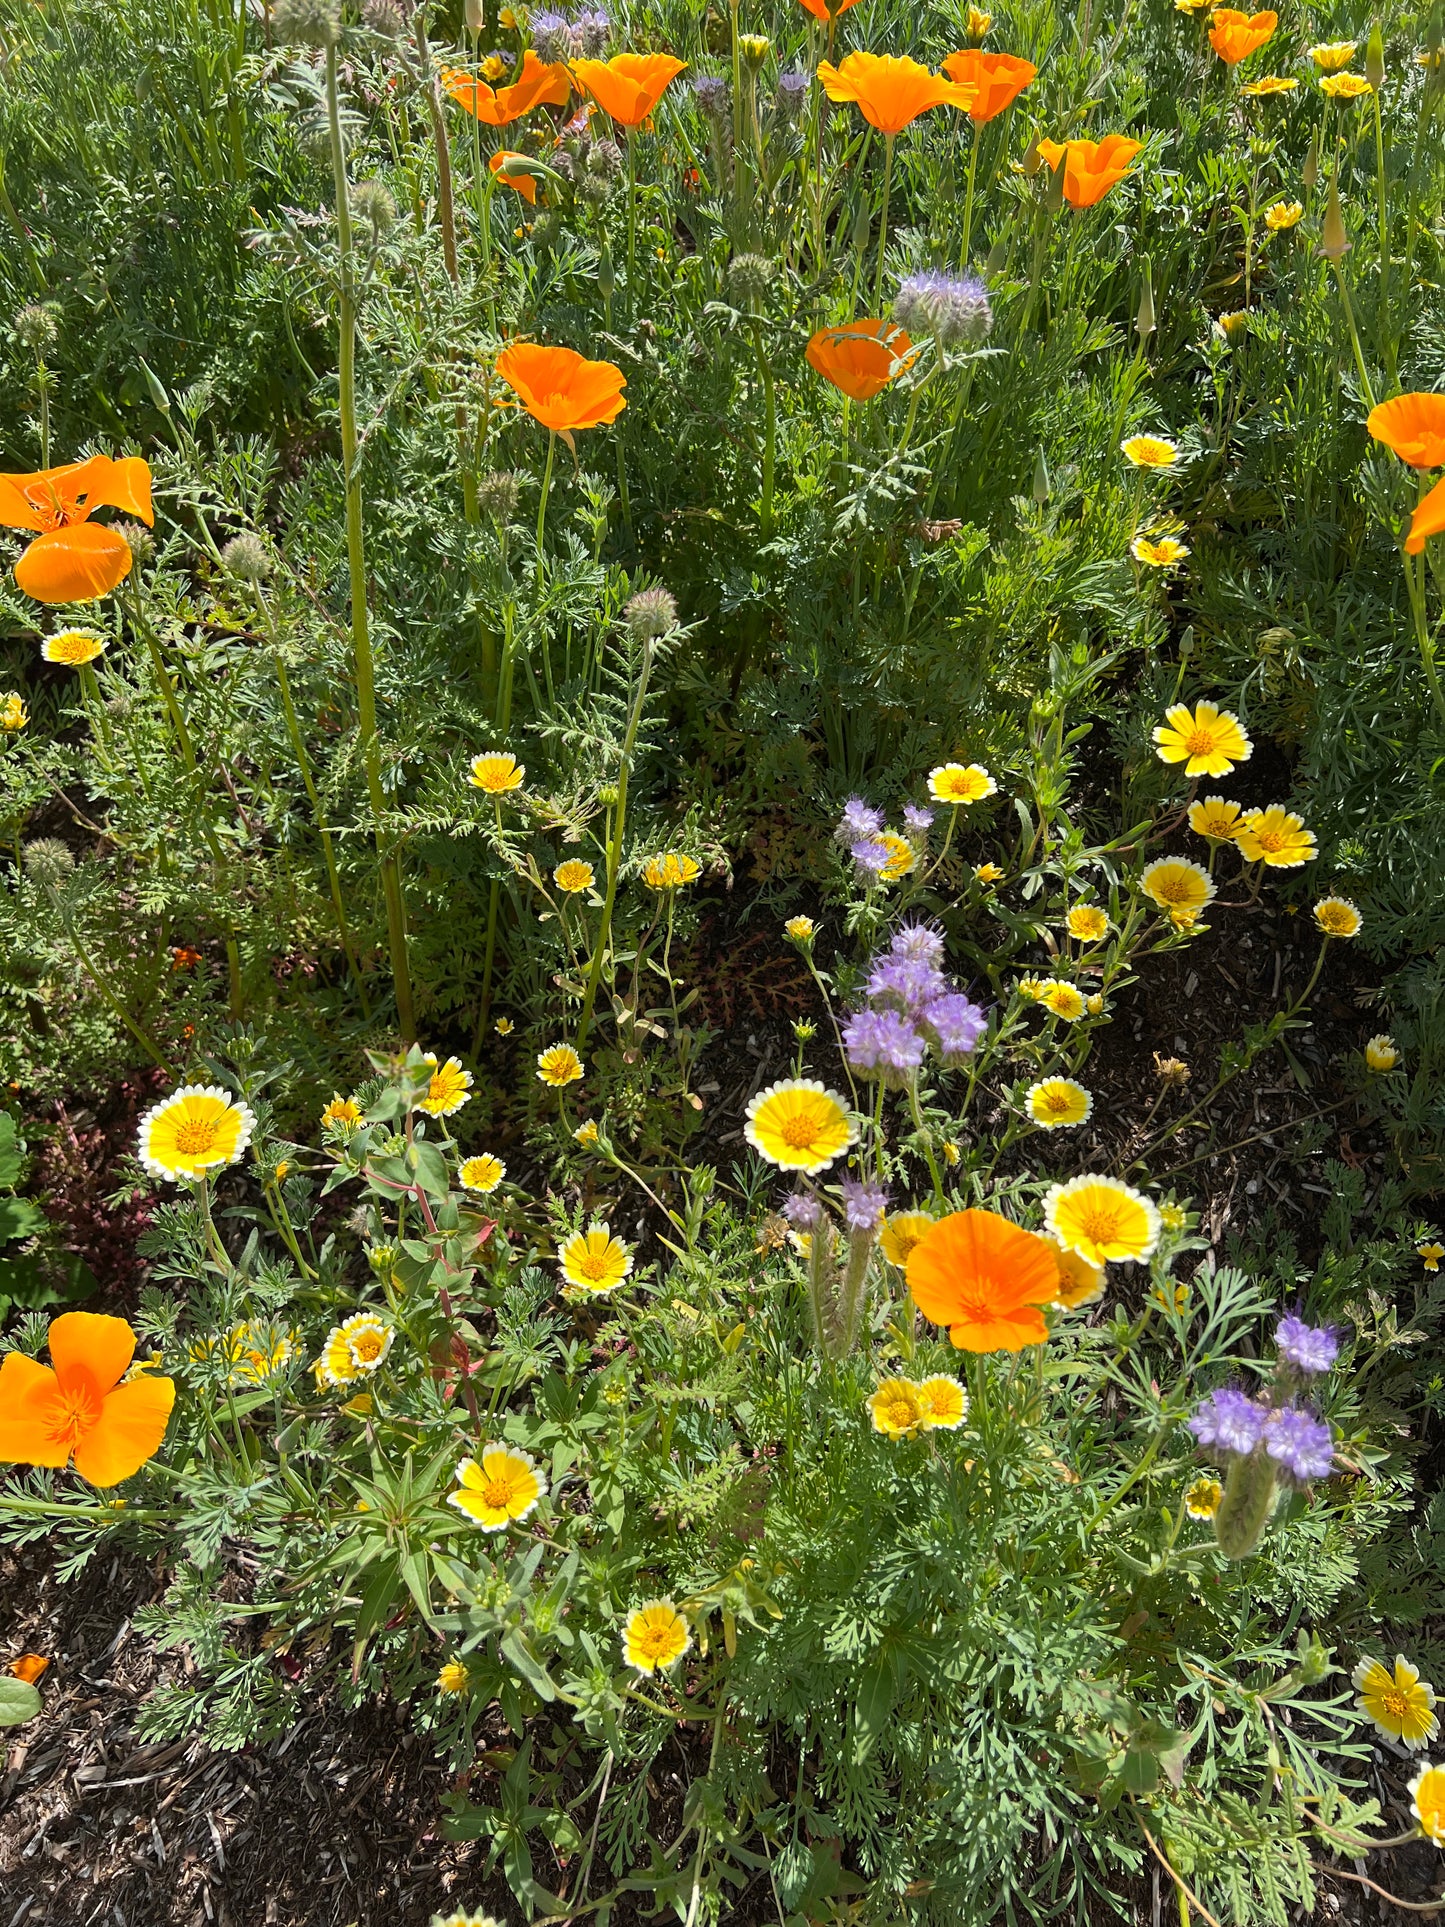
{"x":901,"y":1409}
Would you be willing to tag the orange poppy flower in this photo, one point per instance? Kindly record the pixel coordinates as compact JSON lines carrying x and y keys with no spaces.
{"x":1413,"y":426}
{"x":821,"y":10}
{"x":1093,"y":167}
{"x":28,"y":1667}
{"x":1427,"y":520}
{"x":560,"y":389}
{"x":860,"y":358}
{"x":537,"y":85}
{"x":77,"y":1404}
{"x":71,"y":559}
{"x":999,"y":78}
{"x":890,"y":90}
{"x":525,"y":184}
{"x":628,"y":86}
{"x":986,"y":1279}
{"x":1234,"y":36}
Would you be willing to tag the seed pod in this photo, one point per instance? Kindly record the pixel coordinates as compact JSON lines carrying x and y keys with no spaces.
{"x":1250,"y":1496}
{"x":1042,"y":488}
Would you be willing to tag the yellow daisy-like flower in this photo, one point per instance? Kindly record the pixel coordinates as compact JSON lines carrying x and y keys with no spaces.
{"x":1269,"y":84}
{"x":900,"y":1232}
{"x":979,"y":23}
{"x":1283,"y":215}
{"x":504,"y":1487}
{"x":368,"y":1339}
{"x":1216,"y":818}
{"x":1203,"y":1499}
{"x":595,"y":1261}
{"x":1029,"y":988}
{"x":586,"y":1133}
{"x":1427,"y":1799}
{"x":799,"y":1125}
{"x":341,"y":1114}
{"x":1094,"y":1003}
{"x":943,"y":1403}
{"x":670,"y":871}
{"x":960,"y":783}
{"x":1055,"y":1103}
{"x":1331,"y":55}
{"x":1277,"y":838}
{"x":197,"y":1129}
{"x":1430,"y":1255}
{"x":1065,"y":1001}
{"x":504,"y":1027}
{"x":1080,"y":1282}
{"x":574,"y":876}
{"x":13,"y":713}
{"x":450,"y":1087}
{"x":1346,"y":86}
{"x":483,"y":1173}
{"x":495,"y":773}
{"x":1149,"y":451}
{"x":453,"y":1677}
{"x":800,"y":929}
{"x":655,"y":1637}
{"x":335,"y":1366}
{"x":559,"y":1064}
{"x":895,"y":1408}
{"x":1401,"y":1704}
{"x":73,"y":647}
{"x":1233,"y":326}
{"x":1088,"y":922}
{"x":1381,"y":1053}
{"x":1192,"y":6}
{"x":1174,"y":883}
{"x":902,"y":857}
{"x":1158,"y":551}
{"x":951,"y":1152}
{"x":1338,"y":917}
{"x":259,"y":1352}
{"x":988,"y":873}
{"x":1208,"y":740}
{"x":1103,"y":1219}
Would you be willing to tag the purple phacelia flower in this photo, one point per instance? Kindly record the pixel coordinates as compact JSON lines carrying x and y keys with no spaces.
{"x":713,"y":95}
{"x":593,"y":30}
{"x":859,"y":819}
{"x":906,"y":983}
{"x":882,"y":1041}
{"x":917,"y":819}
{"x":863,"y":1205}
{"x":792,"y":92}
{"x":802,"y":1210}
{"x":870,"y":855}
{"x":954,"y":308}
{"x":1230,"y":1420}
{"x":956,"y":1024}
{"x":1301,"y":1444}
{"x":551,"y":35}
{"x":1311,"y":1349}
{"x":916,"y":940}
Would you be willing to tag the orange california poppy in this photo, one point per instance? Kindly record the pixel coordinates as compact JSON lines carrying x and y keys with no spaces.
{"x":1427,"y":520}
{"x":28,"y":1667}
{"x":536,"y":85}
{"x":1234,"y":36}
{"x":986,"y":1279}
{"x":560,"y":389}
{"x":628,"y":86}
{"x":999,"y":78}
{"x":77,"y":1404}
{"x":525,"y":184}
{"x":71,"y":559}
{"x":890,"y":90}
{"x":820,"y":9}
{"x":1093,"y":166}
{"x":1413,"y":426}
{"x":861,"y":357}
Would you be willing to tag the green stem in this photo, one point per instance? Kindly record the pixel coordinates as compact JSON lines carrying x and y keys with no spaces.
{"x":546,"y":491}
{"x":770,"y":432}
{"x":614,"y":849}
{"x":1415,"y":584}
{"x":1354,"y":334}
{"x":968,"y":199}
{"x":883,"y":225}
{"x":142,"y":1037}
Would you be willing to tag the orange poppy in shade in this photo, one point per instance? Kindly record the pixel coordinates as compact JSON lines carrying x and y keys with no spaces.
{"x":561,"y":389}
{"x":77,"y":1405}
{"x":1427,"y":520}
{"x":821,"y":10}
{"x":1234,"y":36}
{"x":1413,"y":426}
{"x":525,"y":184}
{"x":72,"y":559}
{"x":986,"y":1279}
{"x":1091,"y":167}
{"x":999,"y":78}
{"x":538,"y":84}
{"x":861,"y":357}
{"x":890,"y":90}
{"x":628,"y":86}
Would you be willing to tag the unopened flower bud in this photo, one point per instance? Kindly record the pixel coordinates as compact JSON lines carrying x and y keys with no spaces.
{"x":474,"y":17}
{"x":138,"y":539}
{"x":1144,"y":320}
{"x":714,"y":97}
{"x":1375,"y":58}
{"x":1335,"y":242}
{"x":792,"y":93}
{"x":48,"y":861}
{"x":551,"y":35}
{"x":1310,"y":172}
{"x":307,"y":23}
{"x":754,"y":48}
{"x":1250,"y":1495}
{"x":373,"y":209}
{"x":651,"y":613}
{"x":497,"y":494}
{"x":245,"y":557}
{"x":592,"y":30}
{"x":385,"y":18}
{"x":35,"y":326}
{"x":749,"y":278}
{"x":605,"y":159}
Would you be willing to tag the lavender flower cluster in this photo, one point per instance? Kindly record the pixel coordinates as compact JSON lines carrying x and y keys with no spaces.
{"x":911,"y":1008}
{"x":1297,"y":1440}
{"x":555,"y":37}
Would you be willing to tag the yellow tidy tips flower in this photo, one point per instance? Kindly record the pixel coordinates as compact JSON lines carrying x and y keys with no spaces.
{"x":1215,"y":818}
{"x":450,"y":1087}
{"x":1056,"y":1103}
{"x":1401,"y":1704}
{"x":493,"y":67}
{"x":595,"y":1261}
{"x":453,"y":1677}
{"x":900,"y":1232}
{"x":1158,"y":552}
{"x":341,"y":1114}
{"x":960,"y":783}
{"x":504,"y":1027}
{"x":586,"y":1133}
{"x":495,"y":773}
{"x":1065,"y":1001}
{"x":979,"y":23}
{"x":197,"y":1129}
{"x":1430,"y":1255}
{"x":1192,"y":6}
{"x":73,"y":647}
{"x":1331,"y":55}
{"x":1103,"y":1219}
{"x":1269,"y":84}
{"x":895,"y":1408}
{"x":368,"y":1339}
{"x":1380,"y":1052}
{"x":13,"y":713}
{"x":1208,"y":740}
{"x":483,"y":1173}
{"x":504,"y":1487}
{"x":259,"y":1352}
{"x":1094,"y":1004}
{"x":943,"y":1401}
{"x":951,"y":1152}
{"x":988,"y":873}
{"x":335,"y":1366}
{"x":1203,"y":1498}
{"x":1233,"y":326}
{"x":670,"y":871}
{"x":800,"y":929}
{"x":1346,"y":86}
{"x":902,"y":857}
{"x":574,"y":876}
{"x":1284,"y":214}
{"x":655,"y":1637}
{"x":1338,"y":917}
{"x":799,"y":1125}
{"x":1029,"y":987}
{"x":1427,"y":1801}
{"x":1174,"y":883}
{"x":1277,"y":838}
{"x":1080,"y":1282}
{"x":559,"y":1064}
{"x":1149,"y":451}
{"x":1087,"y":922}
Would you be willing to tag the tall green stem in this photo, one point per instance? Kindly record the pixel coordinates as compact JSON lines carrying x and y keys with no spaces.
{"x":614,"y":848}
{"x":770,"y":431}
{"x":883,"y":226}
{"x":968,"y":200}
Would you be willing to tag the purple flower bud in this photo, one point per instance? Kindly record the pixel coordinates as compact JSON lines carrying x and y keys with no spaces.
{"x":1230,"y":1420}
{"x":551,"y":35}
{"x":955,"y":308}
{"x":1301,"y":1444}
{"x":904,"y":983}
{"x":792,"y":92}
{"x":1311,"y":1349}
{"x":916,"y":819}
{"x":882,"y":1041}
{"x":870,"y":855}
{"x":802,"y":1210}
{"x":713,"y":95}
{"x":858,"y":820}
{"x":954,"y":1023}
{"x":918,"y":943}
{"x":863,"y":1204}
{"x":593,"y":30}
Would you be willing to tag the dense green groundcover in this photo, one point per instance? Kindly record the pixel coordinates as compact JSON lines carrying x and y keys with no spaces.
{"x":886,"y":669}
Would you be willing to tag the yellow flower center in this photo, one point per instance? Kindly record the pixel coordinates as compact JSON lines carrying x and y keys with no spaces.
{"x":497,"y":1493}
{"x":800,"y":1133}
{"x":1271,"y":840}
{"x":594,"y":1264}
{"x":1395,"y":1703}
{"x":196,"y":1134}
{"x":367,"y":1345}
{"x":1055,"y":1103}
{"x":1200,"y":742}
{"x":1101,"y":1222}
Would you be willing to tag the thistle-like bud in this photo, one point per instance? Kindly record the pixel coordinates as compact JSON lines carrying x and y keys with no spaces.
{"x":604,"y":158}
{"x":48,"y":861}
{"x":1251,"y":1493}
{"x":594,"y":191}
{"x":1375,"y":58}
{"x":373,"y":210}
{"x":714,"y":98}
{"x":1335,"y":242}
{"x":953,"y":308}
{"x":307,"y":23}
{"x":592,"y":30}
{"x":650,"y":614}
{"x":34,"y":326}
{"x":551,"y":35}
{"x":138,"y":539}
{"x":749,"y":278}
{"x":385,"y":18}
{"x":791,"y":95}
{"x":547,"y":230}
{"x":245,"y":557}
{"x":497,"y":494}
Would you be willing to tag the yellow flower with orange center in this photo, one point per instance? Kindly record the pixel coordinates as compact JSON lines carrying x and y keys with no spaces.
{"x":1158,"y":552}
{"x":73,"y":647}
{"x":1087,"y":922}
{"x":900,"y":1232}
{"x":574,"y":876}
{"x":799,"y":1125}
{"x":1102,"y":1219}
{"x":482,"y":1173}
{"x":1063,"y":1000}
{"x":1338,"y":917}
{"x":960,"y":783}
{"x":1283,"y":215}
{"x":1277,"y":838}
{"x":341,"y":1114}
{"x":448,"y":1088}
{"x":559,"y":1064}
{"x":655,"y":1637}
{"x":195,"y":1130}
{"x":503,"y":1487}
{"x":1208,"y":740}
{"x":495,"y":773}
{"x":1150,"y":451}
{"x":1346,"y":86}
{"x":670,"y":871}
{"x":595,"y":1261}
{"x":1331,"y":55}
{"x":1177,"y":885}
{"x":902,"y":857}
{"x":1057,"y":1103}
{"x":1216,"y":818}
{"x":1401,"y":1704}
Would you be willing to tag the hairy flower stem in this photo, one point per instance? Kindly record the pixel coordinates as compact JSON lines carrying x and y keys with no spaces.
{"x":356,"y":561}
{"x":968,"y":198}
{"x":431,"y":88}
{"x":614,"y":849}
{"x":883,"y":223}
{"x":770,"y":432}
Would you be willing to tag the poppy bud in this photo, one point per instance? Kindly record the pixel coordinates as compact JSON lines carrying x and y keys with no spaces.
{"x":48,"y":861}
{"x":1251,"y":1493}
{"x":1375,"y":58}
{"x":1054,"y":193}
{"x":474,"y":16}
{"x":997,"y":260}
{"x":157,"y":392}
{"x":862,"y":228}
{"x":1144,"y":320}
{"x":606,"y":275}
{"x":1042,"y":488}
{"x":1335,"y":243}
{"x":1033,"y":160}
{"x":245,"y":557}
{"x":307,"y":23}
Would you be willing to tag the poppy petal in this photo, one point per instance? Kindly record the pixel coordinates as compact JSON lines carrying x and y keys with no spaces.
{"x":128,"y":487}
{"x":27,"y":1390}
{"x":77,"y":564}
{"x":1004,"y":1332}
{"x":1427,"y":520}
{"x":89,"y":1341}
{"x":129,"y":1431}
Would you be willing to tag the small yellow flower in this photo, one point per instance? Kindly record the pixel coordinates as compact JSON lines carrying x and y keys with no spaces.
{"x":1331,"y":55}
{"x":1338,"y":917}
{"x":1080,"y":1282}
{"x":493,"y":67}
{"x":655,"y":1637}
{"x":73,"y":647}
{"x":1102,"y":1219}
{"x":278,"y":1172}
{"x":1094,"y":1003}
{"x":1173,"y":1217}
{"x":496,"y":773}
{"x":799,"y":1125}
{"x":1192,"y":6}
{"x":586,"y":1134}
{"x":1171,"y":1297}
{"x":951,"y":1152}
{"x":1427,"y":1798}
{"x":1269,"y":84}
{"x":1345,"y":86}
{"x":453,"y":1677}
{"x":900,"y":1232}
{"x":895,"y":1408}
{"x":483,"y":1173}
{"x":508,"y":20}
{"x":979,"y":23}
{"x":1029,"y":988}
{"x":960,"y":783}
{"x":1150,"y":451}
{"x":259,"y":1352}
{"x":1208,"y":740}
{"x":1401,"y":1704}
{"x":450,"y":1087}
{"x":988,"y":873}
{"x":1065,"y":1001}
{"x":1203,"y":1498}
{"x":595,"y":1261}
{"x":1283,"y":215}
{"x":362,"y":1406}
{"x":1158,"y":552}
{"x":13,"y":713}
{"x":1216,"y":818}
{"x":559,"y":1064}
{"x":1088,"y":922}
{"x":368,"y":1339}
{"x":1431,"y":1255}
{"x":943,"y":1403}
{"x":1174,"y":883}
{"x":800,"y":929}
{"x":505,"y":1486}
{"x":504,"y":1027}
{"x":670,"y":871}
{"x":1234,"y":326}
{"x":574,"y":876}
{"x":1056,"y":1103}
{"x":341,"y":1114}
{"x":1277,"y":838}
{"x":902,"y":857}
{"x":1381,"y":1053}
